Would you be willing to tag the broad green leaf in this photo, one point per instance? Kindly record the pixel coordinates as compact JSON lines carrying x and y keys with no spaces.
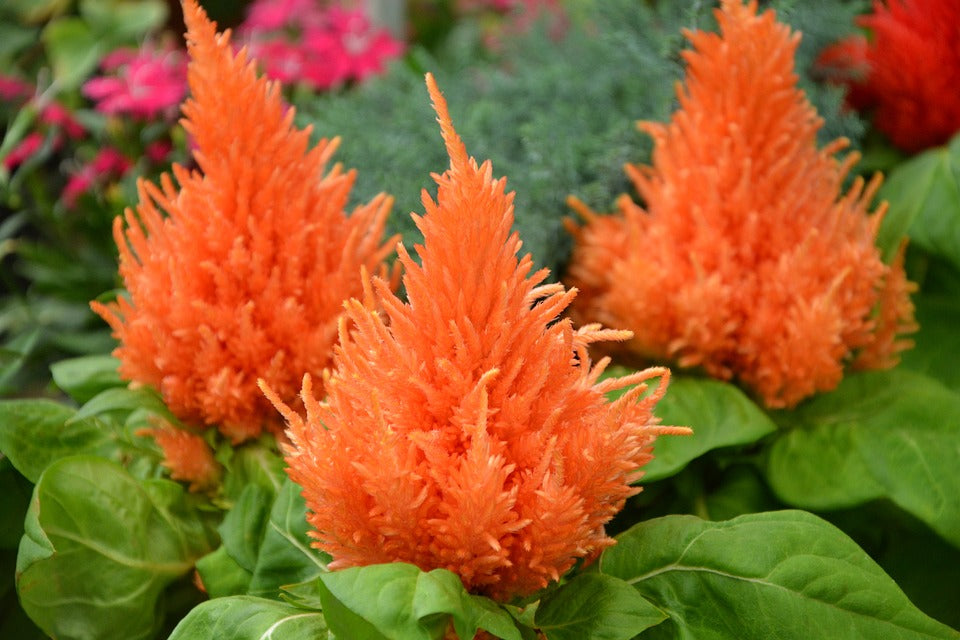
{"x":286,"y":556}
{"x":890,"y":434}
{"x":719,"y":414}
{"x":922,"y":564}
{"x":924,"y":197}
{"x":83,"y":378}
{"x":73,"y":50}
{"x":221,"y":575}
{"x":243,"y":527}
{"x":123,"y":21}
{"x":400,"y":602}
{"x":249,"y":618}
{"x":784,"y":575}
{"x":100,"y":547}
{"x":35,"y":433}
{"x":596,"y":606}
{"x":256,"y":462}
{"x":124,"y":399}
{"x":937,"y":343}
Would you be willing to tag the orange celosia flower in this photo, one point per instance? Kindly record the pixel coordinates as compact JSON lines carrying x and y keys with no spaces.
{"x":912,"y":70}
{"x":246,"y":275}
{"x":748,"y":261}
{"x":466,"y":429}
{"x":186,"y":455}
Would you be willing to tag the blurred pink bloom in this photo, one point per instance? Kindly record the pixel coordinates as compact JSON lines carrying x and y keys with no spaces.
{"x":299,"y":41}
{"x":273,"y":15}
{"x":12,"y":88}
{"x":143,"y":83}
{"x":26,"y":149}
{"x":57,"y":115}
{"x":107,"y":164}
{"x":158,"y":152}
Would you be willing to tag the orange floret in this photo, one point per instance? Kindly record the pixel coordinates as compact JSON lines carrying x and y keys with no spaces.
{"x":466,"y":429}
{"x":748,"y":261}
{"x":186,"y":455}
{"x":245,"y":276}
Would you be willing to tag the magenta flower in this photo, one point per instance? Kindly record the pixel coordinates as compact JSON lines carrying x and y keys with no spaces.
{"x":56,"y":114}
{"x":108,"y":164}
{"x":299,"y":41}
{"x":144,"y":83}
{"x":13,"y":89}
{"x":26,"y":149}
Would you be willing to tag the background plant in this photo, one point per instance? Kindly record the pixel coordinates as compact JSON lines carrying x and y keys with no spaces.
{"x":872,"y":464}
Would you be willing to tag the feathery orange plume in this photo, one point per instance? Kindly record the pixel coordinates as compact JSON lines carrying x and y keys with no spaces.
{"x":466,"y":429}
{"x":186,"y":455}
{"x":748,"y":261}
{"x":246,"y":275}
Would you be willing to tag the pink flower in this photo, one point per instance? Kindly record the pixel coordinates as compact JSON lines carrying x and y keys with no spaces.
{"x":298,"y":41}
{"x":12,"y":88}
{"x":26,"y":149}
{"x":273,"y":15}
{"x":57,"y":115}
{"x":158,"y":152}
{"x":107,"y":164}
{"x":144,"y":84}
{"x":366,"y":50}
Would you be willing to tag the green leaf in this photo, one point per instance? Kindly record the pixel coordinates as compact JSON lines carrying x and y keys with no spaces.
{"x":249,"y":618}
{"x":889,"y":434}
{"x":286,"y":555}
{"x":83,"y":378}
{"x":126,"y":400}
{"x":398,"y":601}
{"x":595,"y":606}
{"x":221,"y":575}
{"x":243,"y":527}
{"x":73,"y":50}
{"x":100,"y":547}
{"x":719,"y":414}
{"x":256,"y":462}
{"x":123,"y":21}
{"x":784,"y":575}
{"x":35,"y":433}
{"x":938,"y":341}
{"x":924,"y":197}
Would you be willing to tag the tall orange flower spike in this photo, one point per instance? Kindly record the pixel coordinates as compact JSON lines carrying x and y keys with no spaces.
{"x":245,"y":276}
{"x":748,"y":261}
{"x":467,"y":429}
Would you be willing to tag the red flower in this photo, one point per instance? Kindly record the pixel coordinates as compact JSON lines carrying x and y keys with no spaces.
{"x":748,"y":261}
{"x":908,"y":71}
{"x":465,"y":429}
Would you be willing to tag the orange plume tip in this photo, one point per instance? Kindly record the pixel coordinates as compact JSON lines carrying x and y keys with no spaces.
{"x":464,"y":428}
{"x":456,"y":149}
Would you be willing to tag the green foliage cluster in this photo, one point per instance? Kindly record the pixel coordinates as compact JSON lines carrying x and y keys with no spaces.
{"x":558,"y":117}
{"x":102,"y":545}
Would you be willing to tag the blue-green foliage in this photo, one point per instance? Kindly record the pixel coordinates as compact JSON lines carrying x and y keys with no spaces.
{"x":555,"y":117}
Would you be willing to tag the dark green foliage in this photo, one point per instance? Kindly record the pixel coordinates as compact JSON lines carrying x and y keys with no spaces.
{"x":555,"y":117}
